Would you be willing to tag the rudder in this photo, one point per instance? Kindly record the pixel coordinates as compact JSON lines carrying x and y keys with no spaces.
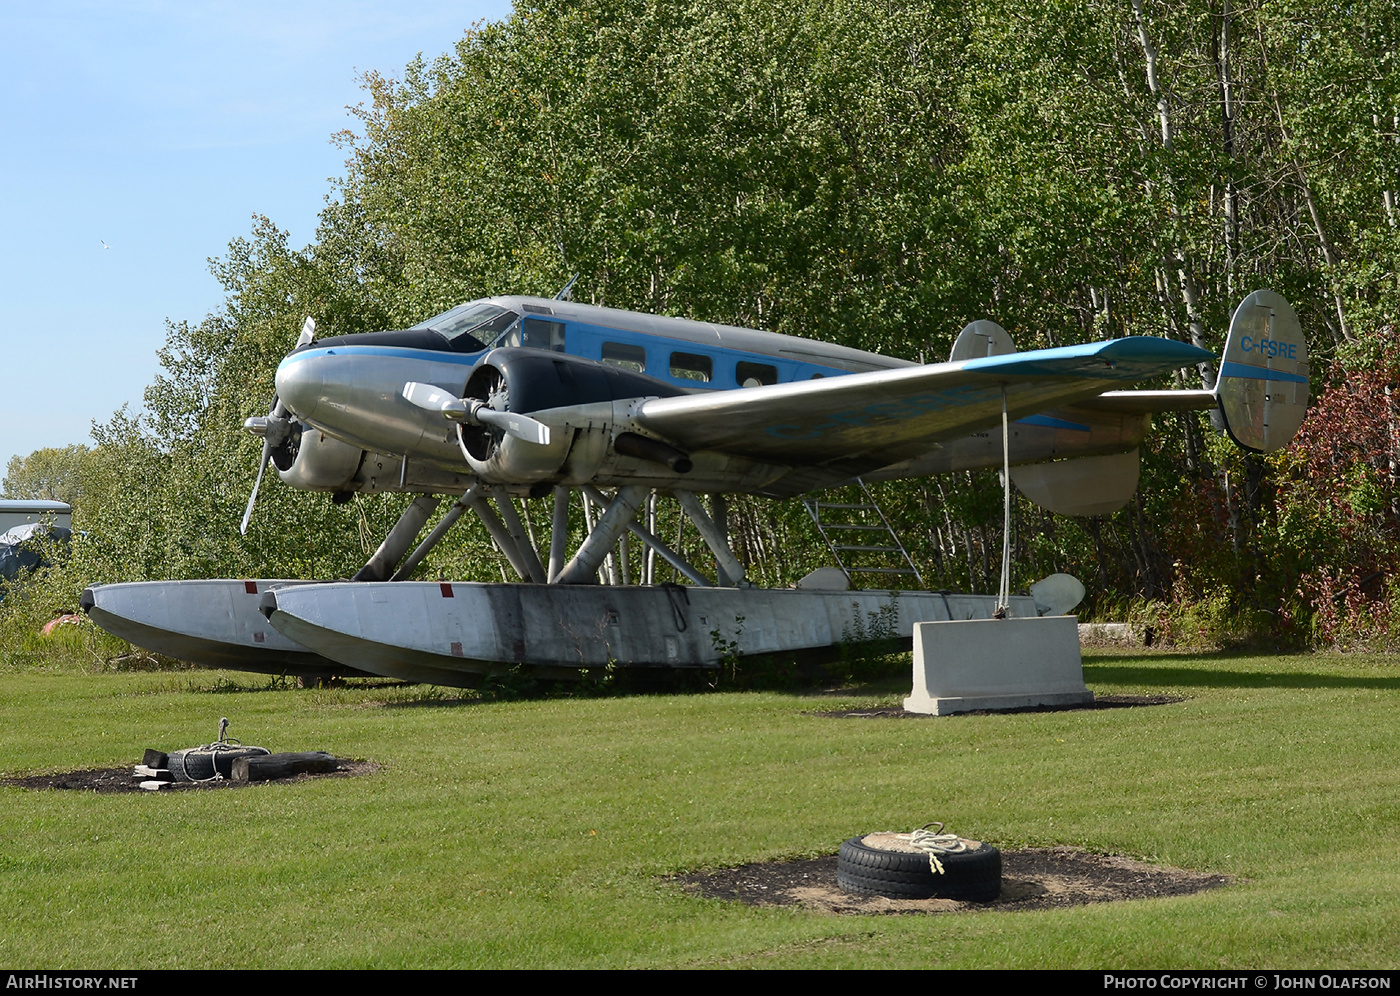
{"x":1262,"y":390}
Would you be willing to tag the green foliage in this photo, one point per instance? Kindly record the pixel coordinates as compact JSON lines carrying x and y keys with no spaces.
{"x":866,"y":173}
{"x":50,"y":474}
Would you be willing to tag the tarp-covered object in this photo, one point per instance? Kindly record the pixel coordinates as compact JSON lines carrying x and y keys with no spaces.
{"x":22,"y":547}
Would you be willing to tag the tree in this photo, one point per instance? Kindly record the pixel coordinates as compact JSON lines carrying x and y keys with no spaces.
{"x":870,"y":173}
{"x":51,"y":474}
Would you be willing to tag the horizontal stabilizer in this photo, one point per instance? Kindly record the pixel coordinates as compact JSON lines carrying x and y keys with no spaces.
{"x":1151,"y":402}
{"x":1057,"y":595}
{"x":981,"y":338}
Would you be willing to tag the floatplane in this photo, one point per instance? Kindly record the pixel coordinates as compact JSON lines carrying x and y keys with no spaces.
{"x":512,"y":397}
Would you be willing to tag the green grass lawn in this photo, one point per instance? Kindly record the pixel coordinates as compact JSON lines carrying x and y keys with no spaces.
{"x":541,"y":832}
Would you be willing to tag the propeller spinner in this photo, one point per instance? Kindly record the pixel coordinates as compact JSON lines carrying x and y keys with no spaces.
{"x":475,"y":412}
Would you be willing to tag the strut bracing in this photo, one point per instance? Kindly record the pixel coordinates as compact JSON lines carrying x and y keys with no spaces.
{"x":657,"y":545}
{"x":603,"y":536}
{"x":516,"y":528}
{"x":730,"y":570}
{"x":405,"y":531}
{"x":454,"y":513}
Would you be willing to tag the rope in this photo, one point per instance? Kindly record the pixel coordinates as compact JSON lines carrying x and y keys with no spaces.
{"x":935,"y":843}
{"x":224,"y":743}
{"x":675,"y":595}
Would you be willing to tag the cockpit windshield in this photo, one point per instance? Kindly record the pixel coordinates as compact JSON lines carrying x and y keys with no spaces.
{"x":475,"y":319}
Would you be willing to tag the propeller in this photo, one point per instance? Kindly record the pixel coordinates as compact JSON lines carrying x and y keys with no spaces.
{"x":474,"y":412}
{"x":274,"y":427}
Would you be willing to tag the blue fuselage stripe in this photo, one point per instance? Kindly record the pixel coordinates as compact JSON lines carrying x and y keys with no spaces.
{"x":401,"y":352}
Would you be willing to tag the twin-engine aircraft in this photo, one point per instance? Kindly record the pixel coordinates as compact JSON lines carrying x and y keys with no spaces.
{"x":521,"y":396}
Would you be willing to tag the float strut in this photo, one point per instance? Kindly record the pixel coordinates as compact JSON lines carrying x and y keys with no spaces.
{"x":559,"y":533}
{"x":396,"y":544}
{"x":649,"y":560}
{"x":504,"y":541}
{"x":604,"y":535}
{"x":431,"y":540}
{"x":719,"y":511}
{"x":730,"y":569}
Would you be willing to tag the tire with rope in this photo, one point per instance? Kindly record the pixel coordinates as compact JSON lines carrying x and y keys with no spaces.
{"x":920,"y":865}
{"x":209,"y":762}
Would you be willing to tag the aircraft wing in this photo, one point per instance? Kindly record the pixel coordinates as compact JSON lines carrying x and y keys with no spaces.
{"x":877,"y":418}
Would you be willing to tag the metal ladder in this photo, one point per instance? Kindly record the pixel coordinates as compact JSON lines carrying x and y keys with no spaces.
{"x":859,"y":530}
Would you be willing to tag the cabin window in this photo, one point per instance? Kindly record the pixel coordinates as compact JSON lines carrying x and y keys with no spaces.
{"x":755,"y":374}
{"x":622,"y":354}
{"x":539,"y":334}
{"x":692,"y":366}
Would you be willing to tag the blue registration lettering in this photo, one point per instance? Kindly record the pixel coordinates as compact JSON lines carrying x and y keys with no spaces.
{"x":1269,"y":347}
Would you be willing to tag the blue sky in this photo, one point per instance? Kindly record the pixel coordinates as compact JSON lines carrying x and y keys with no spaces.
{"x":162,"y":128}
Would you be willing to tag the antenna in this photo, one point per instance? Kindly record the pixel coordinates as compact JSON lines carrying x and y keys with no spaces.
{"x":567,"y":294}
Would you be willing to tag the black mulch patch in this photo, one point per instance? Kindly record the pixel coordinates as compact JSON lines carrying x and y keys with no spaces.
{"x":1033,"y":879}
{"x":1100,"y":702}
{"x":108,"y":780}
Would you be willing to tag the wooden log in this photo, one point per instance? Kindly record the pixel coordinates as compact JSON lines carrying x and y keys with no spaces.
{"x":270,"y":766}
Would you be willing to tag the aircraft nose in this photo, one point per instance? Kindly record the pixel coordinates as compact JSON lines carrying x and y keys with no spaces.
{"x":300,"y":383}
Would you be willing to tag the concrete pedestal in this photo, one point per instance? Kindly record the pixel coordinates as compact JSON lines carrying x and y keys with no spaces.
{"x":972,"y":664}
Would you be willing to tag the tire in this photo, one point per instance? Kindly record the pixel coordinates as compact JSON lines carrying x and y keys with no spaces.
{"x":973,"y":875}
{"x":194,"y":765}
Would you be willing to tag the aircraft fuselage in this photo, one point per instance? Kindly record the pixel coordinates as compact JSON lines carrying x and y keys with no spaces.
{"x":367,"y":436}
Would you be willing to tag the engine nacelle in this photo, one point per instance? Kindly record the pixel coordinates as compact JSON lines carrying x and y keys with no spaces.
{"x":528,"y":382}
{"x":1092,"y":485}
{"x":314,"y":461}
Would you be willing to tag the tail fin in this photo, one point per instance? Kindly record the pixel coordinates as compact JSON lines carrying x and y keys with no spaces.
{"x":1262,"y":390}
{"x":981,"y":338}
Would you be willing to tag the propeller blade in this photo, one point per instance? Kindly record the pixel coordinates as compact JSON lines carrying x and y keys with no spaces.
{"x":279,"y":411}
{"x":434,"y":399}
{"x":262,"y":466}
{"x":519,"y":426}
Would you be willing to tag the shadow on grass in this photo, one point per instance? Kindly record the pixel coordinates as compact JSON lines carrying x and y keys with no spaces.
{"x":1171,"y":672}
{"x":879,"y":676}
{"x":443,"y":702}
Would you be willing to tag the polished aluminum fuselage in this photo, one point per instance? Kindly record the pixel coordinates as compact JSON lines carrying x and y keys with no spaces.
{"x":355,"y":394}
{"x":369,"y":437}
